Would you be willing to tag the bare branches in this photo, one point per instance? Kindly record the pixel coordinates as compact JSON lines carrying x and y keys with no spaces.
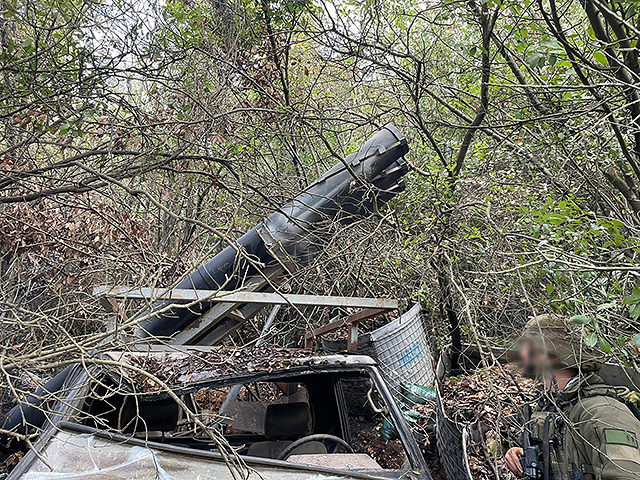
{"x":137,"y":141}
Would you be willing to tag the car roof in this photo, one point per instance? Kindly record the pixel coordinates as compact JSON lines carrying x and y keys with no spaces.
{"x":185,"y":365}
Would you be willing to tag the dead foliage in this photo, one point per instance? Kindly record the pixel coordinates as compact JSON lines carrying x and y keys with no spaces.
{"x":9,"y":463}
{"x":217,"y":363}
{"x":211,"y":400}
{"x":491,"y":400}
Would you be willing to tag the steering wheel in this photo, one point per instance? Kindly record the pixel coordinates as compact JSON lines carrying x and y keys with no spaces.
{"x":313,"y":438}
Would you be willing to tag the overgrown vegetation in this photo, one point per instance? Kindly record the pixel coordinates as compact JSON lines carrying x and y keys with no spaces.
{"x":139,"y":137}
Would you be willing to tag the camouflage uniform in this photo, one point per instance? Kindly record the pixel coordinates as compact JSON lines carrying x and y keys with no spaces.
{"x":592,"y":434}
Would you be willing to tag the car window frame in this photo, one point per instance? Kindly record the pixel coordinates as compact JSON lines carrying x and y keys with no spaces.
{"x":78,"y":384}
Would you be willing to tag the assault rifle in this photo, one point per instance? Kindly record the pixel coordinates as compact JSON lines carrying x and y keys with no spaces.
{"x":529,"y":459}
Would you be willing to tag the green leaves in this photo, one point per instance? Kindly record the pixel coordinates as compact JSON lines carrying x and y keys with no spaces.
{"x":633,"y":298}
{"x":65,"y":127}
{"x":28,"y":46}
{"x":634,"y":311}
{"x":548,"y":54}
{"x":605,"y":346}
{"x":595,"y":337}
{"x":601,"y":58}
{"x":536,"y":60}
{"x":580,"y":319}
{"x":633,"y":301}
{"x":552,"y":45}
{"x":72,"y":128}
{"x":591,"y":339}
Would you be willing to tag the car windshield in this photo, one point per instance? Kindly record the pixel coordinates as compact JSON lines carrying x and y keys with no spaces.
{"x":331,"y":419}
{"x":90,"y":457}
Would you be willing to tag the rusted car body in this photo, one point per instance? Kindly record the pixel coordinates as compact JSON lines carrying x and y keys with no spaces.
{"x":162,"y":413}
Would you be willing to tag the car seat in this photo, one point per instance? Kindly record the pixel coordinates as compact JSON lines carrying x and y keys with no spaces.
{"x":284,"y":423}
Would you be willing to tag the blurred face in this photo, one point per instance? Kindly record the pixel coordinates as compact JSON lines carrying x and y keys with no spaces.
{"x":535,"y":362}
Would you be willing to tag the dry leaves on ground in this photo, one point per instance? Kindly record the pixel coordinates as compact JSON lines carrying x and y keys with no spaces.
{"x":490,"y":399}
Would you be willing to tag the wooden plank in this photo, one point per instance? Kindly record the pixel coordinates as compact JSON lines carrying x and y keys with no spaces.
{"x":241,"y":297}
{"x":214,"y":334}
{"x":189,"y":334}
{"x":220,"y":320}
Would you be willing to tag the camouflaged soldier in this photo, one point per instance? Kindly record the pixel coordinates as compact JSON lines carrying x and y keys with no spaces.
{"x":590,"y":432}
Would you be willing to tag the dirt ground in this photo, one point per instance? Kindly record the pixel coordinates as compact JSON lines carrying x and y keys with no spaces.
{"x":366,"y":438}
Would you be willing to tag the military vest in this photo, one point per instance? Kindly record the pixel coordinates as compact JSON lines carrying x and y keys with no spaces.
{"x":591,"y":434}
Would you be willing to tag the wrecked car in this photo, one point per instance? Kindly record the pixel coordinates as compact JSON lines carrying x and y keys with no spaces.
{"x":214,"y":412}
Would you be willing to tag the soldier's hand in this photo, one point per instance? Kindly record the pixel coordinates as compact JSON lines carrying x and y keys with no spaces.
{"x":512,"y":458}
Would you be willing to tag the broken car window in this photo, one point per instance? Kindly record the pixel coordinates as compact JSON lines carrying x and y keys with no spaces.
{"x":334,"y":420}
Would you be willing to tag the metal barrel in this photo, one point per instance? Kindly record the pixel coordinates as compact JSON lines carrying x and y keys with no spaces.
{"x":351,"y":189}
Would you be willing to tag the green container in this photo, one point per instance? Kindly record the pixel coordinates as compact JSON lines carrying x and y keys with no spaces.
{"x":418,"y":394}
{"x":388,"y":430}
